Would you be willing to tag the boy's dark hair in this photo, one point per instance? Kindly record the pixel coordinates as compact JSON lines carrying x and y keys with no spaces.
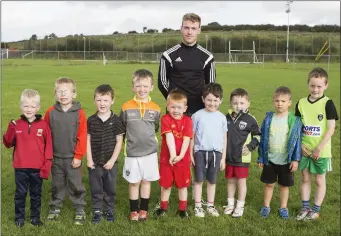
{"x":142,"y":74}
{"x":282,"y":91}
{"x":213,"y":88}
{"x":240,"y":93}
{"x":318,"y":72}
{"x":104,"y":89}
{"x":177,"y":95}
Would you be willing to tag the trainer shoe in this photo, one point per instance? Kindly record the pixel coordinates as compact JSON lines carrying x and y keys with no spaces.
{"x":238,"y":212}
{"x":143,"y":215}
{"x":228,"y":209}
{"x":284,"y":213}
{"x":159,"y":212}
{"x":304,"y":212}
{"x":157,"y":205}
{"x":134,"y":216}
{"x":20,"y":223}
{"x":265,"y":211}
{"x":79,"y":218}
{"x":312,"y":215}
{"x":212,"y":211}
{"x":182,"y":214}
{"x":53,"y":214}
{"x":96,"y":217}
{"x":199,"y":212}
{"x":109,"y":216}
{"x":37,"y":222}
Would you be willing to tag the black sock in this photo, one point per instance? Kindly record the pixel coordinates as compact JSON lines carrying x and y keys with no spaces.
{"x":144,"y":204}
{"x":134,"y":205}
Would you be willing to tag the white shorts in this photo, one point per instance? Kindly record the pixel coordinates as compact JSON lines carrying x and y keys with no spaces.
{"x":137,"y":168}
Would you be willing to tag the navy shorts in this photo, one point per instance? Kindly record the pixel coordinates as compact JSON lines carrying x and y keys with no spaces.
{"x":207,"y":164}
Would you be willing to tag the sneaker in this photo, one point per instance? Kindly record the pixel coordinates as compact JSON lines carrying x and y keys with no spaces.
{"x":312,"y":215}
{"x":53,"y":214}
{"x":109,"y":216}
{"x":265,"y":211}
{"x":212,"y":211}
{"x":143,"y":215}
{"x":159,"y":212}
{"x":20,"y":223}
{"x":284,"y":213}
{"x":199,"y":212}
{"x":157,"y":206}
{"x":79,"y":218}
{"x":228,"y":209}
{"x":203,"y":202}
{"x":37,"y":222}
{"x":238,"y":212}
{"x":183,"y":214}
{"x":134,"y":216}
{"x":304,"y":212}
{"x":96,"y":217}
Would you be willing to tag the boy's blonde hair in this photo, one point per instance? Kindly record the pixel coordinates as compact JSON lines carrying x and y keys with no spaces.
{"x":191,"y":17}
{"x":176,"y":95}
{"x":142,"y":74}
{"x":66,"y":80}
{"x":318,"y":72}
{"x":30,"y":94}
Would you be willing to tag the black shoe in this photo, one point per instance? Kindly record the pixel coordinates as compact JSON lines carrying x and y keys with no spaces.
{"x":37,"y":222}
{"x":182,"y":214}
{"x":96,"y":217}
{"x":159,"y":212}
{"x":20,"y":223}
{"x":109,"y":216}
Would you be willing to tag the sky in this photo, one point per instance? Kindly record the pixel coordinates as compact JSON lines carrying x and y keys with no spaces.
{"x":20,"y":20}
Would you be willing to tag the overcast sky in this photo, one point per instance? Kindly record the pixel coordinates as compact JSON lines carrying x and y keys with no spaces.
{"x":19,"y":20}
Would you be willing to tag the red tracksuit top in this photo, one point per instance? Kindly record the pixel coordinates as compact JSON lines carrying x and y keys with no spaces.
{"x":32,"y":144}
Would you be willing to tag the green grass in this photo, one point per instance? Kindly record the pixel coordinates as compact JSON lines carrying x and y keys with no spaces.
{"x":258,"y":81}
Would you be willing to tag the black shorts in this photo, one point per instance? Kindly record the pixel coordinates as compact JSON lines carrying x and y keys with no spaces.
{"x":207,"y":165}
{"x":273,"y":173}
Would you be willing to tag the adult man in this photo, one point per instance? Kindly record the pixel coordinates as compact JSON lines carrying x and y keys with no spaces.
{"x":187,"y":65}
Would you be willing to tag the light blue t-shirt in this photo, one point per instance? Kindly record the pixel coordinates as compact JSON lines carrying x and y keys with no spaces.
{"x":278,"y":140}
{"x":209,"y":128}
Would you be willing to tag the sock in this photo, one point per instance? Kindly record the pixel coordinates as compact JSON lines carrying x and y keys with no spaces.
{"x":240,"y":204}
{"x":134,"y":205}
{"x":164,"y":205}
{"x":182,"y":205}
{"x":305,"y":204}
{"x":210,"y":204}
{"x":230,"y":201}
{"x":198,"y":204}
{"x":316,"y":208}
{"x":144,"y":204}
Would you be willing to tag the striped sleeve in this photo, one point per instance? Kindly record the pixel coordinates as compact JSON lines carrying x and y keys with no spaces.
{"x":209,"y":66}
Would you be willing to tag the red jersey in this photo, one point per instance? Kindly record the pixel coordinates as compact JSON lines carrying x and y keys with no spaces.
{"x":179,"y":129}
{"x":32,"y":142}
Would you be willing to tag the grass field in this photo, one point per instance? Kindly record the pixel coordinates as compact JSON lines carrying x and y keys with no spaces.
{"x":259,"y":82}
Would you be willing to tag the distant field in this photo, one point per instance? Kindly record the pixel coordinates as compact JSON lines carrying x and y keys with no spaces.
{"x":259,"y":81}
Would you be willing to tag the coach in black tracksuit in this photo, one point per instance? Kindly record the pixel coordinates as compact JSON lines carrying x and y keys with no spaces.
{"x":187,"y":66}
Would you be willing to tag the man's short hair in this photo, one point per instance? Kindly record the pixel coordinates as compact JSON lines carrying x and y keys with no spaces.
{"x":318,"y":72}
{"x":213,"y":88}
{"x":142,"y":74}
{"x":30,"y":94}
{"x":104,"y":89}
{"x":191,"y":17}
{"x":240,"y":92}
{"x":66,"y":80}
{"x":283,"y":90}
{"x":177,"y":95}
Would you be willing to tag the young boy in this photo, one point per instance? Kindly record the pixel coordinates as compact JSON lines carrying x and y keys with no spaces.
{"x":208,"y":148}
{"x":243,"y":138}
{"x":279,"y":150}
{"x":68,"y":124}
{"x":32,"y":156}
{"x":141,"y":119}
{"x":105,"y":135}
{"x":318,"y":115}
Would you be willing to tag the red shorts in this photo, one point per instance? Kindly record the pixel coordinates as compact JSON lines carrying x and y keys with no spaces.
{"x":238,"y":172}
{"x":178,"y":175}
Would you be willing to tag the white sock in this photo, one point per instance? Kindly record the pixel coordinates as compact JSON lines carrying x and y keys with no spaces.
{"x":230,"y":201}
{"x":210,"y":204}
{"x":240,"y":204}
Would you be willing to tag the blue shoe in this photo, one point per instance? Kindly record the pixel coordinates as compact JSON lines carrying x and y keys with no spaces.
{"x":284,"y":213}
{"x":96,"y":217}
{"x":110,"y":216}
{"x":265,"y":211}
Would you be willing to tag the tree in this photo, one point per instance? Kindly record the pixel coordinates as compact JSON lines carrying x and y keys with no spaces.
{"x":46,"y":37}
{"x":116,"y":32}
{"x":34,"y":37}
{"x":164,"y":30}
{"x":144,"y":29}
{"x":152,"y":31}
{"x":132,"y":32}
{"x":53,"y":35}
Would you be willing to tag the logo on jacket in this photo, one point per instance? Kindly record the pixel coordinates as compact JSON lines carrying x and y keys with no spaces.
{"x":178,"y":59}
{"x":320,"y":117}
{"x":39,"y":132}
{"x":310,"y":130}
{"x":242,"y":125}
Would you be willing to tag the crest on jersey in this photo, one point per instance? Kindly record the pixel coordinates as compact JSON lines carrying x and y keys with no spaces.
{"x":39,"y":132}
{"x":320,"y":117}
{"x":242,"y":125}
{"x":151,"y":114}
{"x":127,"y":172}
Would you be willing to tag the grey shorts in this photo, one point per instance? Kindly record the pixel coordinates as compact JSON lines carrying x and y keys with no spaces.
{"x":207,"y":164}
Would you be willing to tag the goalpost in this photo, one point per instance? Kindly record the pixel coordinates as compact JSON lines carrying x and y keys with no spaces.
{"x":234,"y":58}
{"x":23,"y":56}
{"x":4,"y":53}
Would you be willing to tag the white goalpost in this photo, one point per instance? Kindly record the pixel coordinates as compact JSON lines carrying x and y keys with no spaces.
{"x":234,"y":55}
{"x":4,"y":53}
{"x":23,"y":56}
